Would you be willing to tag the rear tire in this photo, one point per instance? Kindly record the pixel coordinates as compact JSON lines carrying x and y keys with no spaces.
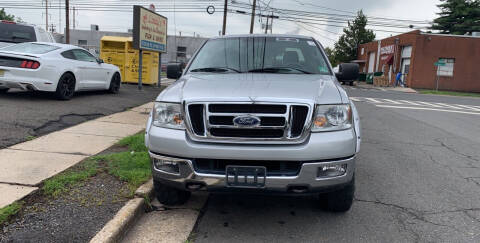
{"x":3,"y":91}
{"x":351,"y":83}
{"x":65,"y":87}
{"x":170,"y":196}
{"x":341,"y":200}
{"x":114,"y":84}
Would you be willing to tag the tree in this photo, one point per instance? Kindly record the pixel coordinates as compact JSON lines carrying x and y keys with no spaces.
{"x":353,"y":35}
{"x":5,"y":16}
{"x":458,"y":17}
{"x":331,"y":56}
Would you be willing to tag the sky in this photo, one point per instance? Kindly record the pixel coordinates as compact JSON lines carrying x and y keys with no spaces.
{"x":208,"y":25}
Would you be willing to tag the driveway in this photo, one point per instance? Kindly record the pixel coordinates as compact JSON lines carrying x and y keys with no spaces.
{"x":25,"y":115}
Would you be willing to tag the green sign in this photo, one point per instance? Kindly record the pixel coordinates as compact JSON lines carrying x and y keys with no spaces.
{"x":439,"y":64}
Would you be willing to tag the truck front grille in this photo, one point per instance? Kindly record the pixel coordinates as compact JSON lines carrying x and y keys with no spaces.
{"x":215,"y":122}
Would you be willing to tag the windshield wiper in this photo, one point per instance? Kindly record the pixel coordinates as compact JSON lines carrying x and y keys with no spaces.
{"x":19,"y":37}
{"x":277,"y":70}
{"x":215,"y":69}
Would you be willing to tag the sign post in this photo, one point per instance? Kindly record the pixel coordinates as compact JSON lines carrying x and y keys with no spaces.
{"x":149,"y":34}
{"x":438,"y":64}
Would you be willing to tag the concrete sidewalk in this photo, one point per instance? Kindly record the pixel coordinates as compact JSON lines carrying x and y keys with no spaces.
{"x":398,"y":89}
{"x":24,"y":166}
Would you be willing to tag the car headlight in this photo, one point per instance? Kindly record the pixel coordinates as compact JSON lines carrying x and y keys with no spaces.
{"x":332,"y":118}
{"x":168,"y":115}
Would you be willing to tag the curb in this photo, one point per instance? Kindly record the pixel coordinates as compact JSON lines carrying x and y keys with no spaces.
{"x":118,"y":227}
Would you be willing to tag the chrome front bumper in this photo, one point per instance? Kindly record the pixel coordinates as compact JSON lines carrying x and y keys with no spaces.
{"x":306,"y":179}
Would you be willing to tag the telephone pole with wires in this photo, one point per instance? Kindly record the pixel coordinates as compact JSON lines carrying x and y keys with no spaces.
{"x":46,"y":15}
{"x":253,"y":16}
{"x":73,"y":17}
{"x":224,"y":18}
{"x":67,"y":22}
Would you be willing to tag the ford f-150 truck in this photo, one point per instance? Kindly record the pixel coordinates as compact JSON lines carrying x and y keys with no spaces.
{"x":256,"y":114}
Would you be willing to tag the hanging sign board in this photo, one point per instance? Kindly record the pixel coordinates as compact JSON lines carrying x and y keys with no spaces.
{"x":149,"y":30}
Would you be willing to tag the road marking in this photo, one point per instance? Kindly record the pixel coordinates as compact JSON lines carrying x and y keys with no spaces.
{"x":426,"y":108}
{"x":429,"y":104}
{"x":409,"y":102}
{"x":392,"y":101}
{"x":354,"y":99}
{"x":469,"y":107}
{"x":373,"y":100}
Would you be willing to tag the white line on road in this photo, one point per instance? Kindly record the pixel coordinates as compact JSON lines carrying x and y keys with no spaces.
{"x":429,"y":104}
{"x":354,"y":99}
{"x":392,"y":101}
{"x":373,"y":100}
{"x":425,"y":108}
{"x":469,"y":107}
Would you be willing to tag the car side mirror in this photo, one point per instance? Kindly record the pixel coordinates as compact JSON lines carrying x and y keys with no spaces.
{"x":100,"y":61}
{"x":347,"y":72}
{"x":174,"y":70}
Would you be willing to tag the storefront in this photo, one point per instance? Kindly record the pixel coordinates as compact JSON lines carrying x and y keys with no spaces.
{"x":414,"y":54}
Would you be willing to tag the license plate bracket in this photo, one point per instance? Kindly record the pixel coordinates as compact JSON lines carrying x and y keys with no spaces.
{"x":245,"y":176}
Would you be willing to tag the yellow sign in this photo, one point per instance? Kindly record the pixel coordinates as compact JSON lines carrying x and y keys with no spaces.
{"x":149,"y":30}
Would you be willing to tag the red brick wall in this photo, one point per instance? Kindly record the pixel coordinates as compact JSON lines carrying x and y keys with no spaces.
{"x":426,"y":50}
{"x":466,"y":73}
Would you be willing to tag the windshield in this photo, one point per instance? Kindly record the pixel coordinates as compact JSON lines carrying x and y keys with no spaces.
{"x":16,"y":33}
{"x":261,"y":54}
{"x":30,"y":48}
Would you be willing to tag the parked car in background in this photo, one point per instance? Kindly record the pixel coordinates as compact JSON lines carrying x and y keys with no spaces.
{"x":57,"y":68}
{"x":13,"y":33}
{"x":259,"y":114}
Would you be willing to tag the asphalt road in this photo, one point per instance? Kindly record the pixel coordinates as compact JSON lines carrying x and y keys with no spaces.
{"x":417,"y":178}
{"x":24,"y":115}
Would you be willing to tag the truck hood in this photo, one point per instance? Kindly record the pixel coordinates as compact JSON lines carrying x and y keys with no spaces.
{"x":257,"y":87}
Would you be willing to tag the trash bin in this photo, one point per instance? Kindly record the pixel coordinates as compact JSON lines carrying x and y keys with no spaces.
{"x":362,"y":77}
{"x":369,"y":78}
{"x":119,"y":51}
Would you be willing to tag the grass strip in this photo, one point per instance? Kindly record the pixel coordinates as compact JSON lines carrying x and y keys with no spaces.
{"x":451,"y":93}
{"x":8,"y":211}
{"x":63,"y":181}
{"x":131,"y":166}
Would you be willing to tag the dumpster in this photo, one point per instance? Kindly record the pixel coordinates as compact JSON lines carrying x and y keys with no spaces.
{"x":362,"y":77}
{"x":119,"y":51}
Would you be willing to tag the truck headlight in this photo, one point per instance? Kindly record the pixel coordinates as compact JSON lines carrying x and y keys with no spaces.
{"x":168,"y":115}
{"x":332,"y":118}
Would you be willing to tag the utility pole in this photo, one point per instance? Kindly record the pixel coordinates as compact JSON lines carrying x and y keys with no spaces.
{"x":253,"y":16}
{"x":266,"y":26}
{"x":59,"y":15}
{"x":46,"y":15}
{"x":271,"y":24}
{"x":67,"y":22}
{"x":73,"y":17}
{"x":224,"y":18}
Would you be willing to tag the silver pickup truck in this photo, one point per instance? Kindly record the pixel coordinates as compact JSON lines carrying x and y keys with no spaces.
{"x":256,"y":114}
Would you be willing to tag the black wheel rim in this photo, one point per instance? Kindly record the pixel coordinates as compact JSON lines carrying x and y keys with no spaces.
{"x":68,"y":86}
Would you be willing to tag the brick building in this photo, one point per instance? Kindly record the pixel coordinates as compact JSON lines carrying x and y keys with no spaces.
{"x":415,"y":54}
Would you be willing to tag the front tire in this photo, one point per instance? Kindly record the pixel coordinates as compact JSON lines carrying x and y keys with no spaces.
{"x":114,"y":84}
{"x":65,"y":87}
{"x":340,"y":201}
{"x":170,"y":196}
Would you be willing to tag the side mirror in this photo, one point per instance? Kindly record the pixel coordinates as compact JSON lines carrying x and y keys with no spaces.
{"x":174,"y":70}
{"x":347,"y":72}
{"x":100,"y":61}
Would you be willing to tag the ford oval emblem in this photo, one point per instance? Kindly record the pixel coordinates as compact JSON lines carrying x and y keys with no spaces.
{"x":246,"y":121}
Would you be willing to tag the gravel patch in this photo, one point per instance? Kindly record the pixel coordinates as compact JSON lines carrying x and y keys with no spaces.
{"x":75,"y":216}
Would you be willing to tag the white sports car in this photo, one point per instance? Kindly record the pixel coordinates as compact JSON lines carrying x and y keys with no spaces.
{"x":59,"y":68}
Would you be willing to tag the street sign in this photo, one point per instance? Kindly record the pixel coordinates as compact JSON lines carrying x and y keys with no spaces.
{"x":149,"y":30}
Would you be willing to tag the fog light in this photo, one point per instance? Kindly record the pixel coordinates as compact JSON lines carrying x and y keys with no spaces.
{"x":332,"y":170}
{"x":166,"y":166}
